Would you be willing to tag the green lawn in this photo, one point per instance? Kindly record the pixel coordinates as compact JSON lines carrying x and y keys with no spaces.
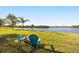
{"x":62,"y":42}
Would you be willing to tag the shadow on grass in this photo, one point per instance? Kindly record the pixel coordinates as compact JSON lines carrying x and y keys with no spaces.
{"x":44,"y":50}
{"x":9,"y":46}
{"x":3,"y":39}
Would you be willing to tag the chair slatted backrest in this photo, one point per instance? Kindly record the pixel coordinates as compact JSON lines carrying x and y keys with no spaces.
{"x":20,"y":38}
{"x":33,"y":39}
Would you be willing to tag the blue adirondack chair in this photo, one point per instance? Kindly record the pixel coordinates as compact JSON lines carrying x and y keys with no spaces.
{"x":34,"y":39}
{"x":20,"y":38}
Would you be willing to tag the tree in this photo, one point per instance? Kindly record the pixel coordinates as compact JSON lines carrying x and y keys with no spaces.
{"x":1,"y":22}
{"x":23,"y":20}
{"x":12,"y":20}
{"x":32,"y":26}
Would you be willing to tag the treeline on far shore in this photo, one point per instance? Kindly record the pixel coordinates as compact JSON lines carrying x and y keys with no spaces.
{"x":33,"y":26}
{"x":73,"y":26}
{"x":28,"y":26}
{"x":43,"y":26}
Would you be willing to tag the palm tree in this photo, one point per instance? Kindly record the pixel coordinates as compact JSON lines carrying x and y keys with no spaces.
{"x":12,"y":19}
{"x":23,"y":20}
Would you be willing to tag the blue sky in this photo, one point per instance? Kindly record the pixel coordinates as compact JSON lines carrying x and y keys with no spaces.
{"x":44,"y":15}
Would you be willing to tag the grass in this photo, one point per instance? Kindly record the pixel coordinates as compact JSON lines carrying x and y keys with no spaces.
{"x":63,"y":42}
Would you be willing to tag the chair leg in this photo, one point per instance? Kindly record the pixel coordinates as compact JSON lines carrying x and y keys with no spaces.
{"x":38,"y":45}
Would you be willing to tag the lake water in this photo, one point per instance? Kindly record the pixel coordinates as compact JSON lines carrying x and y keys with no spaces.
{"x":74,"y":30}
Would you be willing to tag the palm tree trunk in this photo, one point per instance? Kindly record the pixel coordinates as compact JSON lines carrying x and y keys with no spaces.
{"x":12,"y":26}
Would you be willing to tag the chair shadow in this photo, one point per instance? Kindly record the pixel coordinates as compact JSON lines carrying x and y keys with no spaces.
{"x":44,"y":50}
